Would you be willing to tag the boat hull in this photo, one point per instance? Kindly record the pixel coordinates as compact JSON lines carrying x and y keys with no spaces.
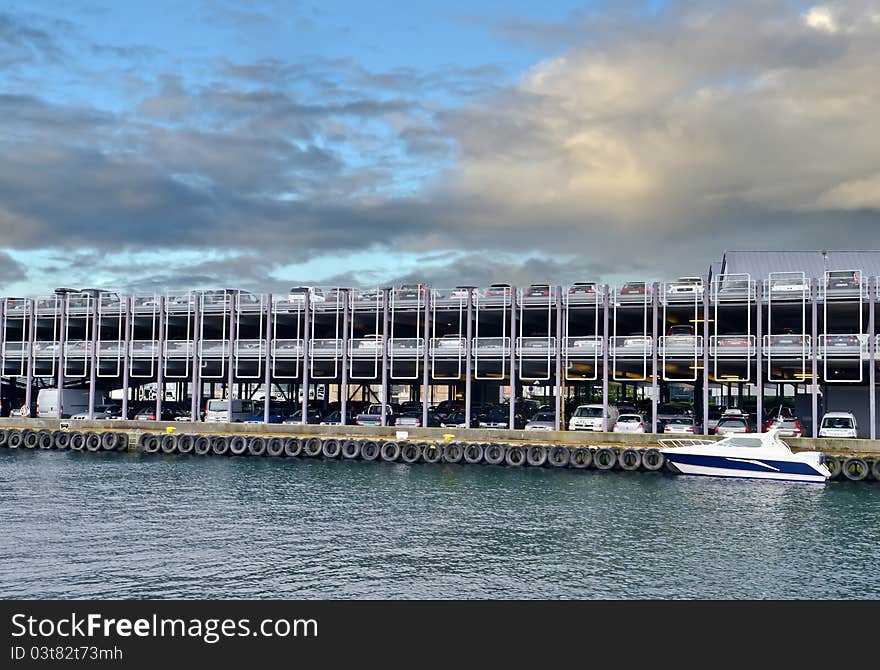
{"x":747,"y":468}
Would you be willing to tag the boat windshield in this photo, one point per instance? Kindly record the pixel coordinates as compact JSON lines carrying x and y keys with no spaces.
{"x":743,"y":442}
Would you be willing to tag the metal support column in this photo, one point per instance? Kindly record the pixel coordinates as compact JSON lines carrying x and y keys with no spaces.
{"x":343,"y":390}
{"x":160,"y":357}
{"x":557,"y":417}
{"x":513,"y":371}
{"x":93,"y":365}
{"x":230,"y":356}
{"x":304,"y":403}
{"x":705,"y":355}
{"x":467,"y":361}
{"x":267,"y":377}
{"x":759,"y":373}
{"x":605,"y":359}
{"x":196,"y":399}
{"x":655,"y":381}
{"x":385,"y":293}
{"x":62,"y":359}
{"x":32,"y":331}
{"x":814,"y":379}
{"x":872,"y":368}
{"x":425,"y":371}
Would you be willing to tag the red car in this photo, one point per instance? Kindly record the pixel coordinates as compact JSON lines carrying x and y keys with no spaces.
{"x":634,"y":288}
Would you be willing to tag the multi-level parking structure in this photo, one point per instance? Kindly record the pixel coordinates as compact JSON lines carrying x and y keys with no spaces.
{"x":787,"y":328}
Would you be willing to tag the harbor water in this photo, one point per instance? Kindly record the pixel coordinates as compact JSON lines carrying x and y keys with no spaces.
{"x":125,"y":525}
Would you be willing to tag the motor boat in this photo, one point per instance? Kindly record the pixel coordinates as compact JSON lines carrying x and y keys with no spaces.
{"x":752,"y":456}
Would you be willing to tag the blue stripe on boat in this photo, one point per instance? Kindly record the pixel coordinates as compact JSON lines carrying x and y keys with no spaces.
{"x":781,"y":467}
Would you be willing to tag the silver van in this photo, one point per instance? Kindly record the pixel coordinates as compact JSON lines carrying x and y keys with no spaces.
{"x":217,"y":411}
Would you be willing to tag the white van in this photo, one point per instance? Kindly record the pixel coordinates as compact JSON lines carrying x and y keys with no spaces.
{"x":839,"y":424}
{"x":73,"y":401}
{"x":216,"y":411}
{"x":589,"y":417}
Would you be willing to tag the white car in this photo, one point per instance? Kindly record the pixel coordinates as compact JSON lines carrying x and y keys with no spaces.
{"x":839,"y":424}
{"x":589,"y":417}
{"x":629,"y":423}
{"x":783,"y":285}
{"x":542,"y":421}
{"x":685,"y":286}
{"x":298,"y":293}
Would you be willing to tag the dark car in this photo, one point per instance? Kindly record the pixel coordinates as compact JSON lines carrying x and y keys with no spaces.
{"x":456,"y":420}
{"x":842,"y":280}
{"x":313,"y":416}
{"x":538,"y":291}
{"x":148,"y":413}
{"x":499,"y":417}
{"x":275,"y":416}
{"x":734,"y":421}
{"x":447,"y":407}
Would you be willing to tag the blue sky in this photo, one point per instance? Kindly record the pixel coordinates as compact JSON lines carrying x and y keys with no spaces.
{"x":260,"y":143}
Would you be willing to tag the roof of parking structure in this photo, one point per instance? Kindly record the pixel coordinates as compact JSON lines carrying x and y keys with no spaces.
{"x":759,"y":264}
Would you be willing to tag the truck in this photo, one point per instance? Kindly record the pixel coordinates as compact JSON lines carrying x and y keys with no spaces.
{"x":71,"y":401}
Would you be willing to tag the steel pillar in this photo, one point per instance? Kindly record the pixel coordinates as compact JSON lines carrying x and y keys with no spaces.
{"x":557,"y":416}
{"x":872,"y":367}
{"x":385,"y":295}
{"x":814,"y":390}
{"x":196,"y":399}
{"x":160,"y":358}
{"x":343,"y":390}
{"x":230,"y":356}
{"x":605,"y":359}
{"x":759,"y":372}
{"x":32,"y":330}
{"x":655,"y":379}
{"x":425,"y":371}
{"x":93,"y":365}
{"x":267,"y":376}
{"x":304,"y":403}
{"x":467,"y":353}
{"x":512,"y":414}
{"x":705,"y":355}
{"x":62,"y":359}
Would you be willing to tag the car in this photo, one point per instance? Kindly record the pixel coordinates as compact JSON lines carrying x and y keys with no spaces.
{"x":637,"y":341}
{"x":591,"y":342}
{"x":498,"y":291}
{"x":839,"y":424}
{"x":629,"y":423}
{"x":411,"y":292}
{"x":789,"y":285}
{"x":102,"y":412}
{"x":313,"y":416}
{"x":715,"y":415}
{"x":672,"y":411}
{"x":732,"y":288}
{"x":733,"y":421}
{"x":682,"y":425}
{"x":634,"y":288}
{"x":451,"y":341}
{"x":538,"y":291}
{"x":542,"y":421}
{"x":583,"y":288}
{"x":499,"y":417}
{"x":842,"y":341}
{"x":334,"y":294}
{"x":590,"y":417}
{"x":446,"y":408}
{"x":299,"y":293}
{"x":371,"y":294}
{"x":372,"y":416}
{"x":371,"y":341}
{"x":461,"y":292}
{"x":413,"y":419}
{"x":687,"y":286}
{"x":680,"y":334}
{"x":456,"y":419}
{"x":275,"y":416}
{"x":842,"y":280}
{"x":783,"y":420}
{"x":732,"y":341}
{"x":148,"y":413}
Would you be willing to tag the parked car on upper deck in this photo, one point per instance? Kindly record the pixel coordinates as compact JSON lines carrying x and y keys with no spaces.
{"x":634,"y":288}
{"x":538,"y":291}
{"x":680,"y":334}
{"x":499,"y":291}
{"x":687,"y":286}
{"x":789,"y":285}
{"x":411,"y":292}
{"x":583,"y":288}
{"x":842,"y":280}
{"x":299,"y":293}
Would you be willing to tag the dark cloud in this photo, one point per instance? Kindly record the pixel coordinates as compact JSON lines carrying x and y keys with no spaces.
{"x":11,"y":271}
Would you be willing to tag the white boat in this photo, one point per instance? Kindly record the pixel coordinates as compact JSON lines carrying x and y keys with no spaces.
{"x":753,"y":456}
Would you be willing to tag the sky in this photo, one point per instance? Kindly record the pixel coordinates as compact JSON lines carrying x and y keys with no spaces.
{"x":260,"y":144}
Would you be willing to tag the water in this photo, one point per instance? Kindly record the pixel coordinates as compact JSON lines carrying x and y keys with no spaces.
{"x":109,"y":525}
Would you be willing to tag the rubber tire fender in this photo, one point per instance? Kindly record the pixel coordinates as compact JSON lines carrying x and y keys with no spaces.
{"x":515,"y":456}
{"x":536,"y":455}
{"x":61,"y":439}
{"x":431,"y":453}
{"x":78,"y":441}
{"x":411,"y":452}
{"x":109,"y":441}
{"x":256,"y":446}
{"x":238,"y":445}
{"x":312,"y":447}
{"x":653,"y":459}
{"x":559,"y":456}
{"x":835,"y":467}
{"x":220,"y":445}
{"x":370,"y":450}
{"x":605,"y":458}
{"x":293,"y":447}
{"x":474,"y":452}
{"x":494,"y":454}
{"x":390,"y":452}
{"x":274,"y":446}
{"x":4,"y":435}
{"x":93,"y":441}
{"x":202,"y":445}
{"x":630,"y":459}
{"x":168,"y":443}
{"x":875,"y":469}
{"x":30,"y":439}
{"x":45,"y":440}
{"x":855,"y":469}
{"x":185,"y":444}
{"x":453,"y":453}
{"x":351,"y":449}
{"x":581,"y":458}
{"x":331,"y":448}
